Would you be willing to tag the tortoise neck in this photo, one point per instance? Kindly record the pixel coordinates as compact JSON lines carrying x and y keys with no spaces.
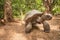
{"x":42,"y":20}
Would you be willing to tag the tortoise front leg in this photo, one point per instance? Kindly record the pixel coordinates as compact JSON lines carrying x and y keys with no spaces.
{"x":46,"y":27}
{"x":28,"y":27}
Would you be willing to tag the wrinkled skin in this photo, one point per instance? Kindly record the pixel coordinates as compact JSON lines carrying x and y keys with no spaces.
{"x":40,"y":20}
{"x":28,"y":27}
{"x":46,"y":27}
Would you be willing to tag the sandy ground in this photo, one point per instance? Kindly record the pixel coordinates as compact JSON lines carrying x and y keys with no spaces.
{"x":15,"y":31}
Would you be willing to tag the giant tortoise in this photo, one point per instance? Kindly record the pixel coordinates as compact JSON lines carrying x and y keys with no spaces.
{"x":33,"y":17}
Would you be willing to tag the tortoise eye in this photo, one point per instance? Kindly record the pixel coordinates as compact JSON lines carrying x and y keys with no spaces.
{"x":48,"y":16}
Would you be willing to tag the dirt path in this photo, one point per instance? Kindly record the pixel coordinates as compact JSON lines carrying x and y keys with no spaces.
{"x":15,"y":31}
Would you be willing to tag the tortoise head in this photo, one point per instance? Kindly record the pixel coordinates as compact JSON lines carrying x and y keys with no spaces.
{"x":47,"y":17}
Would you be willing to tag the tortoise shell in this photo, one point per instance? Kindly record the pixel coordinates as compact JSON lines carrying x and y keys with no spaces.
{"x":33,"y":14}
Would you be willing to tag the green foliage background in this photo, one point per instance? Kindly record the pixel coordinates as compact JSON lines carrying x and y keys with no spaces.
{"x":1,"y":8}
{"x":20,"y":7}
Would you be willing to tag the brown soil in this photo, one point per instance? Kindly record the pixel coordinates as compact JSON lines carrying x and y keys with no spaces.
{"x":15,"y":31}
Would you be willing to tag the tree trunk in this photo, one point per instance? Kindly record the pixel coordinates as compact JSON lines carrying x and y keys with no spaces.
{"x":48,"y":5}
{"x":8,"y":17}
